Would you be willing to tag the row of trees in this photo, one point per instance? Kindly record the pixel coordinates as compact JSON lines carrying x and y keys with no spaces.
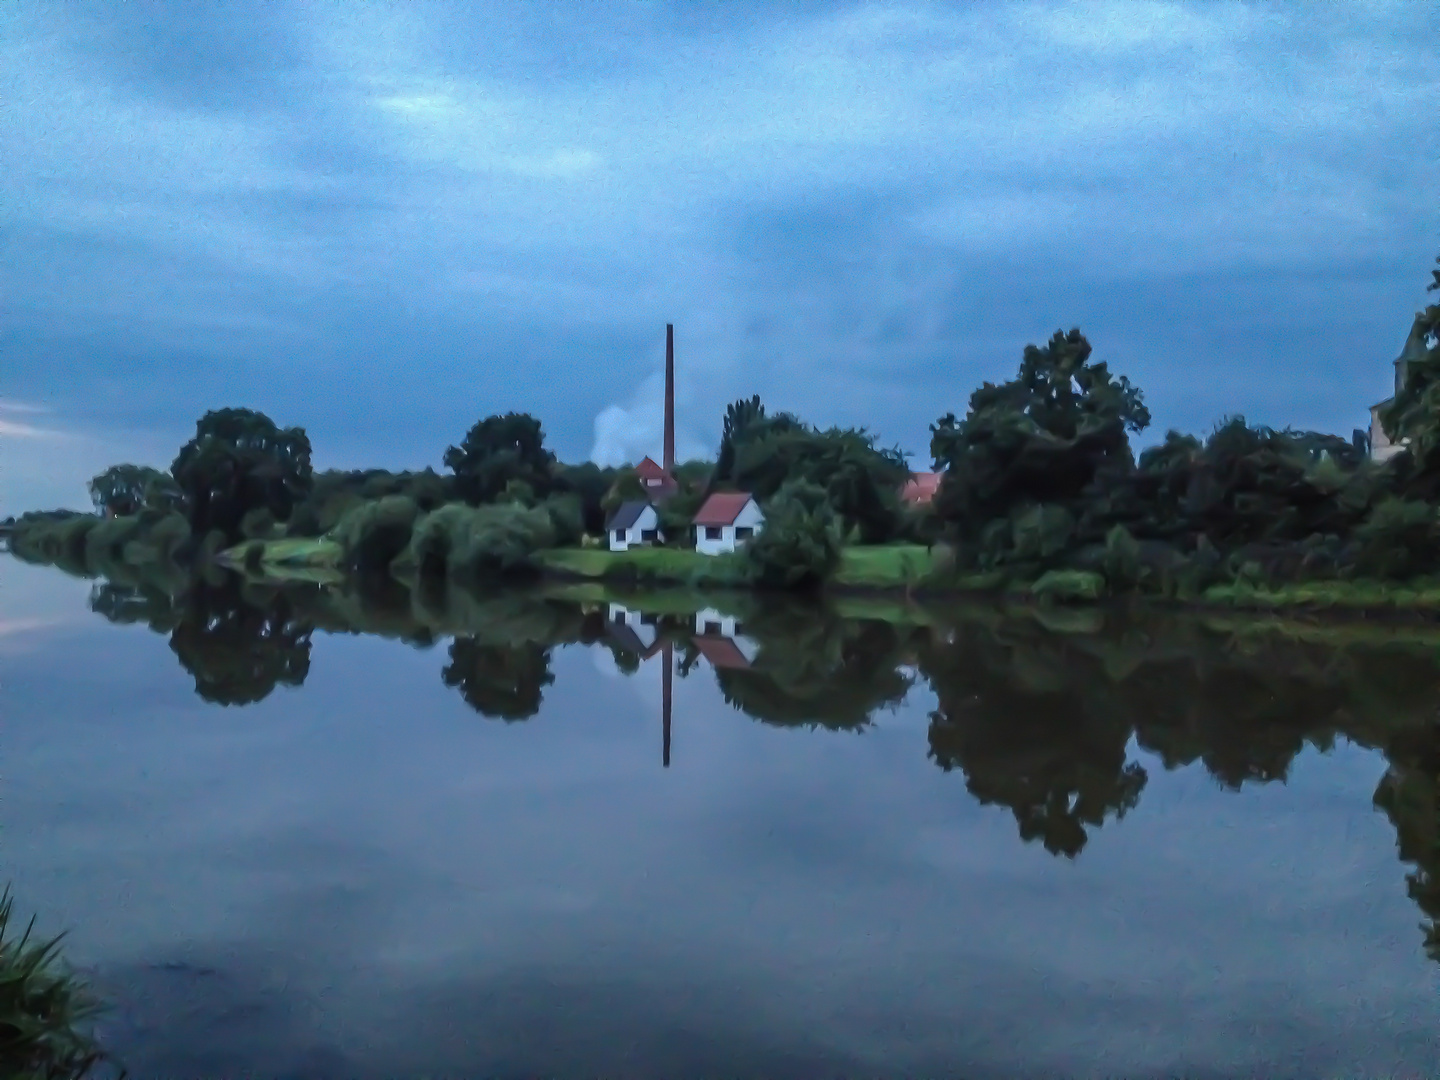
{"x":1040,"y":476}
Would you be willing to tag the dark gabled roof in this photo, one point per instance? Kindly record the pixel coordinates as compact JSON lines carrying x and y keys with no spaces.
{"x":722,"y":508}
{"x":626,"y":637}
{"x":626,"y":514}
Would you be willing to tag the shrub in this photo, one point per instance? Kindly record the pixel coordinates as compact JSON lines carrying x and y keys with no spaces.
{"x":373,"y":534}
{"x":104,"y":540}
{"x":1398,"y":539}
{"x":465,"y":542}
{"x":567,"y":517}
{"x":799,"y":545}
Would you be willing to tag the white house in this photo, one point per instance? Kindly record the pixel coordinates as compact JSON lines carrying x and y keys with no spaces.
{"x":727,"y":520}
{"x":634,"y":524}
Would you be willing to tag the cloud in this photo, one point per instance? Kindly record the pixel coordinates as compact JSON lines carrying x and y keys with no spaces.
{"x":626,"y":433}
{"x":384,"y":220}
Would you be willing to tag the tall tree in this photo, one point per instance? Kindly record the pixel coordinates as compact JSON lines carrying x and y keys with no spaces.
{"x":240,"y":461}
{"x":128,"y":489}
{"x":498,"y":451}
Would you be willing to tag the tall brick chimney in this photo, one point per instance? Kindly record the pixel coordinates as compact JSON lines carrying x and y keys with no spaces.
{"x":669,"y":462}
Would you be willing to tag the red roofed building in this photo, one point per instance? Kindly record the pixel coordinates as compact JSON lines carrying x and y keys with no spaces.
{"x":655,"y":479}
{"x":727,"y":519}
{"x":921,"y":487}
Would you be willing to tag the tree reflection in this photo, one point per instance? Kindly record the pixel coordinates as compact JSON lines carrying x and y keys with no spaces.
{"x":499,"y":681}
{"x":1037,"y":710}
{"x":1015,"y":716}
{"x":815,"y":669}
{"x":240,"y":648}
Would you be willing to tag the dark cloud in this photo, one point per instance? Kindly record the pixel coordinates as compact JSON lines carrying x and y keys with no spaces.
{"x":384,"y":220}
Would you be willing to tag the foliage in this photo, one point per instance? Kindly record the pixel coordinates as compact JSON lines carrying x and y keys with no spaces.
{"x":498,"y":451}
{"x":1019,"y":466}
{"x":374,"y":533}
{"x":127,"y":489}
{"x":335,"y":492}
{"x":589,"y":484}
{"x":45,"y":1011}
{"x":237,"y":462}
{"x":760,"y":454}
{"x":799,"y":545}
{"x":467,"y":543}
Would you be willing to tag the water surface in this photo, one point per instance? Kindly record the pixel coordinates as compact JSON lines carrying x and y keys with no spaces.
{"x":300,"y":833}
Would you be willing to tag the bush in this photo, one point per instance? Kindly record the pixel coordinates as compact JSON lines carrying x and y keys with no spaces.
{"x":373,"y":534}
{"x":105,"y":539}
{"x":799,"y":545}
{"x":567,"y":517}
{"x":464,"y":542}
{"x":1398,"y":539}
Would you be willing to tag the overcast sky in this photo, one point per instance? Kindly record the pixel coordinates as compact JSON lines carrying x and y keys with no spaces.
{"x":384,"y":221}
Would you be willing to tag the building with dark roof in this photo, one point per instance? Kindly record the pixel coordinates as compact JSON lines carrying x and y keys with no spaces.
{"x":634,"y":523}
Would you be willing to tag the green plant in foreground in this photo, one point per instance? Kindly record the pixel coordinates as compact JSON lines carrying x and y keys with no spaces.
{"x":45,"y":1011}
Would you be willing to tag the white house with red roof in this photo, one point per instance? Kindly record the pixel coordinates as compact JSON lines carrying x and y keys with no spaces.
{"x":726,"y":521}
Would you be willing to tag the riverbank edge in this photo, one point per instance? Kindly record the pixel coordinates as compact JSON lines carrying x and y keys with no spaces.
{"x":1414,"y":602}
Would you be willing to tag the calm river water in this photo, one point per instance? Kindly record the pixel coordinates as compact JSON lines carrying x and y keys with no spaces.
{"x":311,"y":835}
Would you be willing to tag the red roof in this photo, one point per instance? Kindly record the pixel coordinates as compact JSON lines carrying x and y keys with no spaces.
{"x":722,"y":508}
{"x":921,"y":487}
{"x":721,"y":652}
{"x":649,"y":469}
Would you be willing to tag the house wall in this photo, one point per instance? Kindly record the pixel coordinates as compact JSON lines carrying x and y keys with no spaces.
{"x":1381,"y":447}
{"x":634,"y":536}
{"x":750,"y":517}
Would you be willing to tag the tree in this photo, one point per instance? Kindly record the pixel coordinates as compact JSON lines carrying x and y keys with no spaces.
{"x":240,"y":461}
{"x":1041,"y":439}
{"x":799,"y":546}
{"x":127,"y":489}
{"x":497,"y":451}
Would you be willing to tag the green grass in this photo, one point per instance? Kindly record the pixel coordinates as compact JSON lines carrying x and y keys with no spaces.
{"x":884,"y":565}
{"x":1414,"y":595}
{"x":680,"y":565}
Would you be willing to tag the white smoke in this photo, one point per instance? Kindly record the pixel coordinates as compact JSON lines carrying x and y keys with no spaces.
{"x":626,"y":433}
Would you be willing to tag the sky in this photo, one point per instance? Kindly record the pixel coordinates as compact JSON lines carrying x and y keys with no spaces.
{"x":382,"y":222}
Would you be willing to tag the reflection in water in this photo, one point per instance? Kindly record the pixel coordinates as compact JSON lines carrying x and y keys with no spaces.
{"x":1036,"y":711}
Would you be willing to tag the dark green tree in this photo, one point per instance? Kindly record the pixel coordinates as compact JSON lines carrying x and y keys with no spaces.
{"x":237,"y":462}
{"x":1034,"y":448}
{"x":127,"y":489}
{"x":799,"y":546}
{"x":497,"y":452}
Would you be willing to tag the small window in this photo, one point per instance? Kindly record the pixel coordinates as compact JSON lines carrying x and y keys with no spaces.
{"x":647,"y":535}
{"x":652,"y":482}
{"x":739,"y":628}
{"x":712,"y":627}
{"x":620,"y":535}
{"x":619,"y":617}
{"x":713,"y":532}
{"x":744,"y":532}
{"x":648,"y":619}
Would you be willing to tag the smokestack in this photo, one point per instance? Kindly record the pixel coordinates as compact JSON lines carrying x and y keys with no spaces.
{"x":669,"y":397}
